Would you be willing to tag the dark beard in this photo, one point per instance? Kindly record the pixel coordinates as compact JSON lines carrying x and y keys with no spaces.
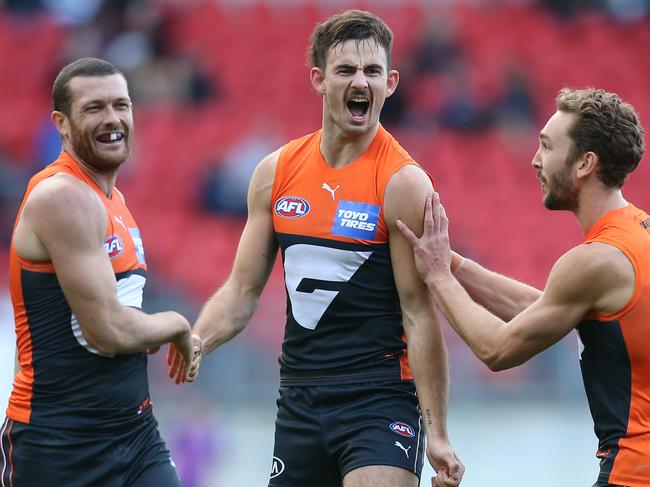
{"x":564,"y":194}
{"x":84,"y":151}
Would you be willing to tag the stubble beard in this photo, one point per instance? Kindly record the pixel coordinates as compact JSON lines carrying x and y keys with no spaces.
{"x":83,"y":147}
{"x":563,"y":193}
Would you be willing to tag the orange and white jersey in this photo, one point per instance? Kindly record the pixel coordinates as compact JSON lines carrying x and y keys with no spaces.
{"x":344,"y":321}
{"x":64,"y":382}
{"x":615,"y":357}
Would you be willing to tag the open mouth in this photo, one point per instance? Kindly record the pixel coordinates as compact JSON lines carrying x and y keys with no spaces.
{"x":358,"y":106}
{"x":110,"y":137}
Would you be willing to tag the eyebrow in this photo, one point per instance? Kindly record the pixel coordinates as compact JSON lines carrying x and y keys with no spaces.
{"x":345,"y":64}
{"x":103,"y":101}
{"x":544,"y":137}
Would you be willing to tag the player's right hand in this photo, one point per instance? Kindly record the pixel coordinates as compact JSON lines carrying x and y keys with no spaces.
{"x":183,"y":366}
{"x":446,"y":463}
{"x":180,"y":355}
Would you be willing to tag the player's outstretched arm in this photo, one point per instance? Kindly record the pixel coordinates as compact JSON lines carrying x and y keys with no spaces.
{"x":589,"y":278}
{"x":404,"y":199}
{"x":64,"y":221}
{"x":502,"y":295}
{"x":228,"y":311}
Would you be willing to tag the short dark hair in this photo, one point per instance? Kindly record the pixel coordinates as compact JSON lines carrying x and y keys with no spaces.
{"x":607,"y":126}
{"x":87,"y":66}
{"x":352,"y":24}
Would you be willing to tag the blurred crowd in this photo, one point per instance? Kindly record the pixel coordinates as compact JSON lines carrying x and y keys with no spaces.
{"x":436,"y":92}
{"x":439,"y":92}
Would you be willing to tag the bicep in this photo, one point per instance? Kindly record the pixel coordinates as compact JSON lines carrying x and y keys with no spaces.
{"x":71,"y":223}
{"x":541,"y":325}
{"x":256,"y":252}
{"x":257,"y":245}
{"x":570,"y":293}
{"x":410,"y":288}
{"x":404,"y":200}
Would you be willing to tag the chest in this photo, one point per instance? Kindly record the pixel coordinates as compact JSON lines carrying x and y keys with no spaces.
{"x":346,"y":207}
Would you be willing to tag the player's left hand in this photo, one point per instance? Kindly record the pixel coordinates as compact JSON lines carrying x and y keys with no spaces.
{"x":193,"y":371}
{"x":432,"y":251}
{"x":446,"y":463}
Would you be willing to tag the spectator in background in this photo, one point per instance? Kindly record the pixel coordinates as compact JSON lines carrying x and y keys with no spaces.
{"x":134,"y":36}
{"x":436,"y":49}
{"x":225,"y":185}
{"x":156,"y":72}
{"x":515,"y":106}
{"x":22,"y":6}
{"x":12,"y":183}
{"x":460,"y":107}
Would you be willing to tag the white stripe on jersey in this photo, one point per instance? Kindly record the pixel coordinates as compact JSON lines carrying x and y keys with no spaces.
{"x":129,"y":293}
{"x":417,"y":448}
{"x":2,"y":449}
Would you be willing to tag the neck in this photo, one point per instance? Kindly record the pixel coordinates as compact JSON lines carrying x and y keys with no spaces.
{"x":340,"y":148}
{"x":105,"y":181}
{"x":595,"y":204}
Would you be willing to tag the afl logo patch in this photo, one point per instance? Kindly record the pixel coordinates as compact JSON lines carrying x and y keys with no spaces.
{"x":292,"y":207}
{"x":402,"y":429}
{"x":277,"y":468}
{"x":113,"y":246}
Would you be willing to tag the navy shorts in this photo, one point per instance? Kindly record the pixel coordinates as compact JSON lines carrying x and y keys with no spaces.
{"x":324,"y":432}
{"x":32,"y":456}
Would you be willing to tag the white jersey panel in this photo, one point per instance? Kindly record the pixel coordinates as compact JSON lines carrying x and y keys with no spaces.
{"x":129,"y":293}
{"x":304,"y":262}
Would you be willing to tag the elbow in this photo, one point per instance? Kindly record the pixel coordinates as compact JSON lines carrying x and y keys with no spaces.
{"x":496,"y":365}
{"x":107,"y":343}
{"x":103,"y":346}
{"x":500,"y":361}
{"x":491,"y":359}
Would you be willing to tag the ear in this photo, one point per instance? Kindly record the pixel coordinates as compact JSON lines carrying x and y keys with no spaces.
{"x":317,"y":80}
{"x":587,"y":164}
{"x":391,"y":82}
{"x":60,"y":121}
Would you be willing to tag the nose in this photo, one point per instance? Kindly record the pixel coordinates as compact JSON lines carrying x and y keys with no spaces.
{"x":359,"y":79}
{"x":537,"y":160}
{"x":110,"y":116}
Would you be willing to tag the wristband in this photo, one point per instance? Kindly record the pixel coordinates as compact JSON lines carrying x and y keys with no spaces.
{"x":456,"y":261}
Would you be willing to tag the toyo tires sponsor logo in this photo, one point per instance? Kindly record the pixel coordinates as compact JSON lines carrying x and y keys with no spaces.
{"x":402,"y":429}
{"x":292,"y":207}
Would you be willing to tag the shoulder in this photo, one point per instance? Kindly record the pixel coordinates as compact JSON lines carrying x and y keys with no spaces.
{"x":261,"y":186}
{"x":409,"y":176}
{"x":590,"y":271}
{"x":265,"y":170}
{"x":64,"y":201}
{"x":300,"y":146}
{"x":63,"y":194}
{"x":591,"y":260}
{"x":406,"y":184}
{"x":397,"y":152}
{"x":405,"y":195}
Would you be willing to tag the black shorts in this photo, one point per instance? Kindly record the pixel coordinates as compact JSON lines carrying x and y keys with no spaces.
{"x":324,"y":432}
{"x":33,"y":456}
